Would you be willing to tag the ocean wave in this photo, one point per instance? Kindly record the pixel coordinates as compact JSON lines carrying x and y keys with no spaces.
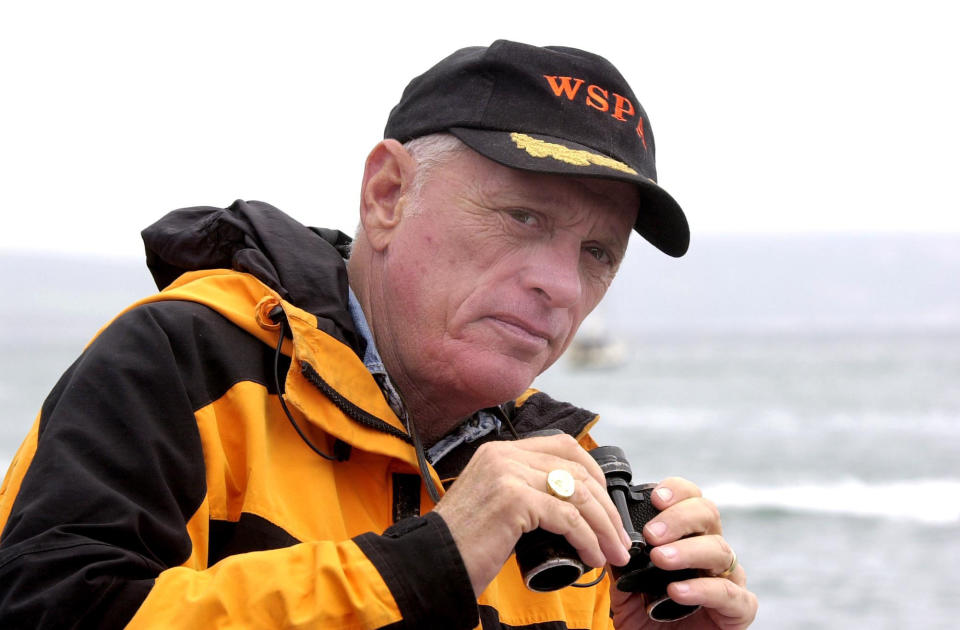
{"x":930,"y":501}
{"x":657,"y":416}
{"x":782,"y":419}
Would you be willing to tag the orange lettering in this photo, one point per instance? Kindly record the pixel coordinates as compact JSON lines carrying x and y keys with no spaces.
{"x":619,"y":110}
{"x":643,"y":138}
{"x":564,"y":87}
{"x":594,"y":98}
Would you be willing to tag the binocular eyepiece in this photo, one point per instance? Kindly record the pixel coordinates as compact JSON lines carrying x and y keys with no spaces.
{"x":548,"y":562}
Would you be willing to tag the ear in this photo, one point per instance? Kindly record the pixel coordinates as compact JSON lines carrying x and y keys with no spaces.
{"x":387,"y":177}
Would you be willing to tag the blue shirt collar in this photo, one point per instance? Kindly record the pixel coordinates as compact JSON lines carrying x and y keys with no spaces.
{"x":371,"y":358}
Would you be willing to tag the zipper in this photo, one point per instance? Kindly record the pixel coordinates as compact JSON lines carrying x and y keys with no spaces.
{"x":352,"y":411}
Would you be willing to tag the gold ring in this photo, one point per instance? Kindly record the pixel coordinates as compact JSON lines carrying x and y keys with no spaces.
{"x":731,"y":568}
{"x":560,"y":484}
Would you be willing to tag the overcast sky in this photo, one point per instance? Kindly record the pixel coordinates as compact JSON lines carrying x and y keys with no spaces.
{"x":769,"y":116}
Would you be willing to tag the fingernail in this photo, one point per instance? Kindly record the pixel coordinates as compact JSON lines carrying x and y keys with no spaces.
{"x":681,"y":588}
{"x":665,"y":494}
{"x":667,"y":551}
{"x":657,"y":528}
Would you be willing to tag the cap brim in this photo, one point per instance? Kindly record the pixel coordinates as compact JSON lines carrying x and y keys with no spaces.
{"x":660,"y":219}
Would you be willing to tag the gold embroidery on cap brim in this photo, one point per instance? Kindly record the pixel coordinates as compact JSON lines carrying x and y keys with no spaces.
{"x":541,"y":149}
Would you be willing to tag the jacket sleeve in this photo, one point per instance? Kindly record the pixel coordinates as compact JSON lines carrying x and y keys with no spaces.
{"x":320,"y":585}
{"x":97,"y":529}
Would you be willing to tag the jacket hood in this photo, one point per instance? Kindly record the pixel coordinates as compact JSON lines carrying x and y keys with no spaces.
{"x":304,"y":265}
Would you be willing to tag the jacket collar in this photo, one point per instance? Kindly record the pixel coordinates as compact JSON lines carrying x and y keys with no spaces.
{"x":304,"y":265}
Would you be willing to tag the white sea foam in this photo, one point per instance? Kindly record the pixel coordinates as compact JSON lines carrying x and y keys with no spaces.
{"x":650,"y":416}
{"x":783,"y":419}
{"x":932,"y":501}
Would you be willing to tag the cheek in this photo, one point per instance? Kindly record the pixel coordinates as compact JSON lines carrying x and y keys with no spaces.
{"x":439,"y":252}
{"x":420,"y":284}
{"x":595,"y":285}
{"x":414,"y":253}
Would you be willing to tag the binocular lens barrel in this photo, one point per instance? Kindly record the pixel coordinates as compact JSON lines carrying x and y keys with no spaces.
{"x":547,"y":561}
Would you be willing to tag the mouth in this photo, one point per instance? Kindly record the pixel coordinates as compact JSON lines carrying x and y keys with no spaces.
{"x":522,"y":330}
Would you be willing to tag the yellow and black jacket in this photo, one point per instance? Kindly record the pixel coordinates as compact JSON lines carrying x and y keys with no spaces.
{"x":163,"y":485}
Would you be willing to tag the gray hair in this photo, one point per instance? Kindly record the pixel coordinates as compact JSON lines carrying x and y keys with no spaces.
{"x":431,"y":151}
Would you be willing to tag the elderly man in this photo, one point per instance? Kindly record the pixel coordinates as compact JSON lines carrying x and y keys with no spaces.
{"x":303,"y":432}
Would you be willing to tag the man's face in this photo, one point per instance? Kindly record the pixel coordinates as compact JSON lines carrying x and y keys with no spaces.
{"x":490,"y":272}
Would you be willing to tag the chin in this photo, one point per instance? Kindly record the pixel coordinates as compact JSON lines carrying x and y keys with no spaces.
{"x":491,"y":383}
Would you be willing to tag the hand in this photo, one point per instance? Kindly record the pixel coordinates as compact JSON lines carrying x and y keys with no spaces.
{"x":687,"y":534}
{"x":502,"y":493}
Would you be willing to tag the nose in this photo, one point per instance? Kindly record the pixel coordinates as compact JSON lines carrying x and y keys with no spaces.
{"x":553,"y":271}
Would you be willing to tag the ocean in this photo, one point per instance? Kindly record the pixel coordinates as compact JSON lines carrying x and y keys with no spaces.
{"x":808,"y":384}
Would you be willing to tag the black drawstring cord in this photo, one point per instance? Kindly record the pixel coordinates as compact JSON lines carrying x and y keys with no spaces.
{"x":278,"y":314}
{"x":589,"y":584}
{"x":504,"y":417}
{"x":275,"y":314}
{"x":418,"y":447}
{"x":422,"y":462}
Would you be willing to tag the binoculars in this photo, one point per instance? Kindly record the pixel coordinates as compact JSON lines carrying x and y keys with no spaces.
{"x":548,"y":562}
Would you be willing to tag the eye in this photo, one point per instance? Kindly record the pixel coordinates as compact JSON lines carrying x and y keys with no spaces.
{"x":523,"y":216}
{"x":598,"y":253}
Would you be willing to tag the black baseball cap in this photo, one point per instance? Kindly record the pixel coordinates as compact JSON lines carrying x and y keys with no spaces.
{"x":553,"y":110}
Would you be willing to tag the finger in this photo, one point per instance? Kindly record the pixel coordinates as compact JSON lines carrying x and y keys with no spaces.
{"x":537,"y":457}
{"x":531,"y":466}
{"x":598,"y":510}
{"x":711,"y":554}
{"x":690,"y":517}
{"x":565,"y":519}
{"x":730,"y":605}
{"x":673,"y":490}
{"x":565,"y":447}
{"x":545,"y":463}
{"x":591,"y":501}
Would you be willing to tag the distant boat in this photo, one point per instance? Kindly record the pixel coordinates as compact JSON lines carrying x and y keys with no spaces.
{"x":594,"y":348}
